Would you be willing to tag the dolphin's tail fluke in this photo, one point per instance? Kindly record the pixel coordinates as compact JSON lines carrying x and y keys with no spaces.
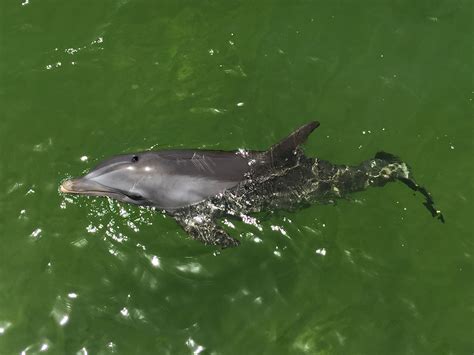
{"x":429,"y":203}
{"x":405,"y":177}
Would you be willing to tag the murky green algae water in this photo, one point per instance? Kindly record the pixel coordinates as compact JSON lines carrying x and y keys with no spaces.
{"x":374,"y":274}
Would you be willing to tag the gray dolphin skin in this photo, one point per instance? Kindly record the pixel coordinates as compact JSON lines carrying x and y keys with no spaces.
{"x":198,"y":187}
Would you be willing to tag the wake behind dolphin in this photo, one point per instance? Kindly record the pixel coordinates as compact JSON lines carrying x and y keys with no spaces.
{"x":197,"y":187}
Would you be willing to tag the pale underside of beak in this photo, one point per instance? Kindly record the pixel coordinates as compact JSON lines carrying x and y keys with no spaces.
{"x":66,"y":187}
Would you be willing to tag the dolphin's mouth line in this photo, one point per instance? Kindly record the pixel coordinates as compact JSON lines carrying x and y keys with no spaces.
{"x":89,"y":192}
{"x":85,"y":192}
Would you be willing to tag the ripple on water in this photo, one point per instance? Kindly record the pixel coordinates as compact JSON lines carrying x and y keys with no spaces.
{"x":145,"y":277}
{"x":132,"y":314}
{"x":194,"y":346}
{"x":4,"y":325}
{"x":62,"y":309}
{"x":41,"y":346}
{"x":192,"y":267}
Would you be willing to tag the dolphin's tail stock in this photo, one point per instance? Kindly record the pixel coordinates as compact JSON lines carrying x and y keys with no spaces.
{"x":404,"y":175}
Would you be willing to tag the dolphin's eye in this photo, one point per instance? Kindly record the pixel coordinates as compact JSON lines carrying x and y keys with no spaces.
{"x":134,"y":158}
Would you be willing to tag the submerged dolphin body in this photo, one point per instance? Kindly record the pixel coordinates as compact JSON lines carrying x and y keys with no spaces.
{"x":197,"y":187}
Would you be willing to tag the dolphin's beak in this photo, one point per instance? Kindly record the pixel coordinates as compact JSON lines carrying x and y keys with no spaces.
{"x":67,"y":186}
{"x":83,"y":186}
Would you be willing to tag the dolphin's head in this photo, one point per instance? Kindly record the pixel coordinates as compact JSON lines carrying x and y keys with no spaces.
{"x":121,"y":177}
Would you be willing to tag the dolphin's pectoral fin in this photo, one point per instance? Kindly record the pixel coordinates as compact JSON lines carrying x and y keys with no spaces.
{"x":205,"y":230}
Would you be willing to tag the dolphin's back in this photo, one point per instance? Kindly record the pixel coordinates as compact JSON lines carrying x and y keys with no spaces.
{"x":218,"y":165}
{"x":190,"y":176}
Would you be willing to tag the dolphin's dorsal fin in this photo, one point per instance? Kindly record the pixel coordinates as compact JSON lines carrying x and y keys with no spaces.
{"x":283,"y":151}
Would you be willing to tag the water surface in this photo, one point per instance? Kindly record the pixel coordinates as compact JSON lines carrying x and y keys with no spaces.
{"x":374,"y":274}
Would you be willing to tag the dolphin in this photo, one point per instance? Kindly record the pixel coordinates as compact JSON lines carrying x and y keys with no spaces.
{"x":198,"y":187}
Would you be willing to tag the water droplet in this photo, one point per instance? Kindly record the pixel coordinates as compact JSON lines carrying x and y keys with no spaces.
{"x":124,"y":312}
{"x":155,"y":261}
{"x":64,"y":320}
{"x":36,"y":233}
{"x":321,"y":251}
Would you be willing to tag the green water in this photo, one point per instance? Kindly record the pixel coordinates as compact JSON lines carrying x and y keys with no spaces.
{"x":375,"y":274}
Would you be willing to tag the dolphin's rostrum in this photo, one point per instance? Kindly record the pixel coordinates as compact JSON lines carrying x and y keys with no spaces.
{"x":197,"y":187}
